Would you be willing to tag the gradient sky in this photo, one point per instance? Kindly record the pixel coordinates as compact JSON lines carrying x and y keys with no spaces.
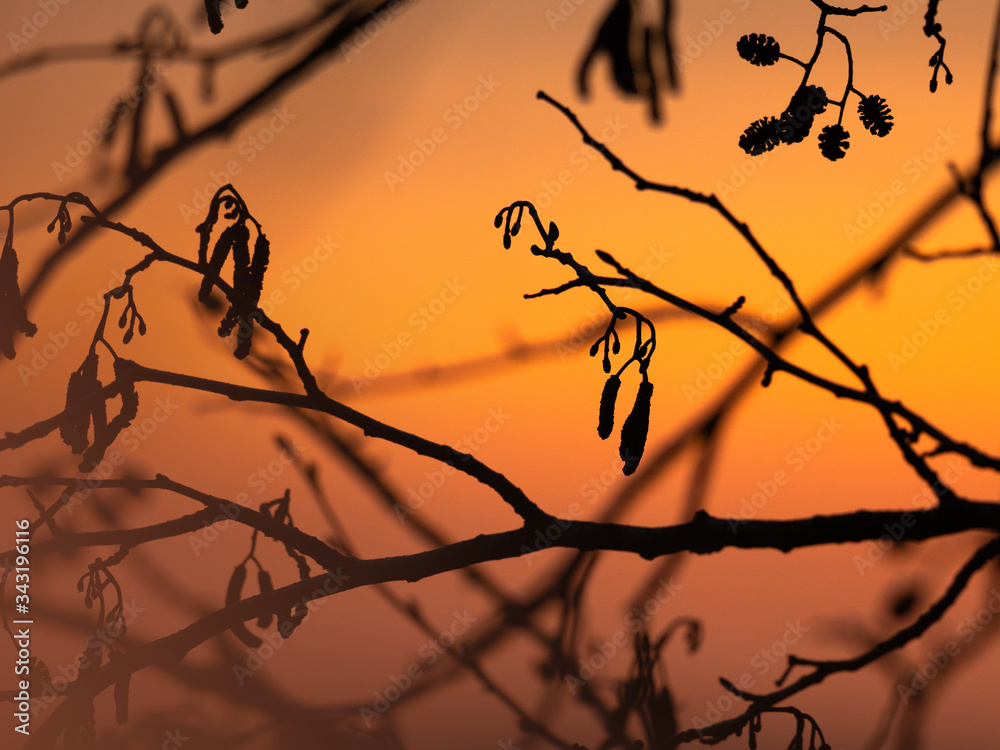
{"x":363,"y":258}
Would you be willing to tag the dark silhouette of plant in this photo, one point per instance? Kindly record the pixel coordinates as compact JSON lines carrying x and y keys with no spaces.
{"x":13,"y":316}
{"x":875,"y":115}
{"x":213,"y":10}
{"x":833,"y":142}
{"x":932,"y":29}
{"x":160,"y":39}
{"x":642,"y":57}
{"x":795,"y":122}
{"x":248,"y":269}
{"x":636,"y":427}
{"x":641,"y":702}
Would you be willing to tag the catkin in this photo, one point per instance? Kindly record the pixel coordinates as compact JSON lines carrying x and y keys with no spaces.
{"x":608,"y":398}
{"x":635,"y":429}
{"x":266,"y":587}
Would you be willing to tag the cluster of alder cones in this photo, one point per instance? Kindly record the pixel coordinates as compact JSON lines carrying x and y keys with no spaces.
{"x":795,"y":122}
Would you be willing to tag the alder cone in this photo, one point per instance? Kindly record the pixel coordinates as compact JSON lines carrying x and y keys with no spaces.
{"x":875,"y":115}
{"x":759,"y":49}
{"x":834,"y":142}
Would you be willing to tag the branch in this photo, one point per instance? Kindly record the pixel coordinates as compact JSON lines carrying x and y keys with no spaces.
{"x":834,"y":10}
{"x":222,"y":126}
{"x":464,"y":462}
{"x":703,"y":535}
{"x":216,"y":510}
{"x":825,"y":668}
{"x":887,"y":409}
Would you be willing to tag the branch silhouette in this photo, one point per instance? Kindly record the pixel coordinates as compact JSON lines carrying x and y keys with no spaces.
{"x":231,"y":237}
{"x":703,"y":534}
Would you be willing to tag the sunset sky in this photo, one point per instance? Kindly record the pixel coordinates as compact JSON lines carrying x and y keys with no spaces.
{"x":377,"y":181}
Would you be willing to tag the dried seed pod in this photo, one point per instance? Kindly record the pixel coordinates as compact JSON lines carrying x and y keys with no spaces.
{"x":214,"y":14}
{"x":662,"y":712}
{"x":606,"y":419}
{"x":233,"y":592}
{"x":251,"y":291}
{"x":204,"y":231}
{"x":761,"y":136}
{"x":121,"y":692}
{"x":613,"y":39}
{"x":266,"y":587}
{"x":76,"y":420}
{"x":105,"y":432}
{"x":636,"y":428}
{"x":235,"y":237}
{"x":13,"y":316}
{"x":875,"y":115}
{"x":235,"y":587}
{"x":833,"y":142}
{"x":288,"y":624}
{"x":130,"y":402}
{"x":258,"y":265}
{"x":797,"y":119}
{"x":758,"y":49}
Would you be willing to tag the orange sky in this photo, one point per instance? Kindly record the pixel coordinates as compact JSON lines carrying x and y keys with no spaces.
{"x":363,"y":258}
